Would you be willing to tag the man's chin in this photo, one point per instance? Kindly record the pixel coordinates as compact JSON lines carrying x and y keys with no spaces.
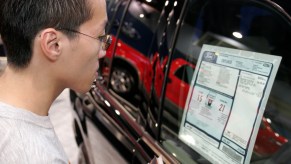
{"x":84,"y":89}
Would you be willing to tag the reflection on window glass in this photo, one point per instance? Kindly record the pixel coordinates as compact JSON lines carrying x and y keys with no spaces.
{"x":132,"y":38}
{"x":185,"y":73}
{"x":247,"y":26}
{"x":139,"y":25}
{"x":155,"y":74}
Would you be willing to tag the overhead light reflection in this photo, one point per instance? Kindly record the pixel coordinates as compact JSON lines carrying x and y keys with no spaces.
{"x":149,"y":0}
{"x":107,"y":103}
{"x":175,"y":3}
{"x":117,"y":112}
{"x":167,"y":3}
{"x":269,"y":120}
{"x":141,"y":15}
{"x":237,"y":35}
{"x":177,"y":22}
{"x":189,"y":139}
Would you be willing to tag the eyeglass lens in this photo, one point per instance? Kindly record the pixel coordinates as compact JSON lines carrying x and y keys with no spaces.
{"x":106,"y":40}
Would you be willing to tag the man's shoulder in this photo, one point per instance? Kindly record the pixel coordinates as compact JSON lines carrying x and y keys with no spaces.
{"x":20,"y":116}
{"x":20,"y":142}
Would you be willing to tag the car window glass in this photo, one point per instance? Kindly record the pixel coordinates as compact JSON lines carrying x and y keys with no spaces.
{"x":111,"y":8}
{"x":133,"y":35}
{"x":138,"y":26}
{"x":115,"y":10}
{"x":159,"y":54}
{"x":184,"y":73}
{"x":264,"y":29}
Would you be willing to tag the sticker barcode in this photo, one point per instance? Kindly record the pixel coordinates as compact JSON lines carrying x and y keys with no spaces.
{"x":231,"y":153}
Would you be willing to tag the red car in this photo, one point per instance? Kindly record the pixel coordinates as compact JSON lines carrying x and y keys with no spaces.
{"x":268,"y":141}
{"x":128,"y":67}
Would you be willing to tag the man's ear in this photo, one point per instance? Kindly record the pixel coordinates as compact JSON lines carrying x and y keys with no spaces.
{"x":50,"y":43}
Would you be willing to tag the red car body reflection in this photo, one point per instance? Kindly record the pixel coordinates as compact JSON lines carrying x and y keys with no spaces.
{"x":178,"y":82}
{"x":129,"y":55}
{"x":268,"y":141}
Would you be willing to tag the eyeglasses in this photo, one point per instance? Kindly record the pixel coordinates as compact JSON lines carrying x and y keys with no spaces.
{"x":105,"y":39}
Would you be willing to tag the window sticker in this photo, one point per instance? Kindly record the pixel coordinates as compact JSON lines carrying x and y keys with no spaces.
{"x":226,"y":102}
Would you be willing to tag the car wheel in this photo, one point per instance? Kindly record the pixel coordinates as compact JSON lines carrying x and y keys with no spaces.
{"x":122,"y":81}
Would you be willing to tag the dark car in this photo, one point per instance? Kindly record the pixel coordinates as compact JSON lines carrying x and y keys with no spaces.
{"x":148,"y":70}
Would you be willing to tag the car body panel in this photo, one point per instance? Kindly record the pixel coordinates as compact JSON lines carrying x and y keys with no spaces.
{"x":147,"y":120}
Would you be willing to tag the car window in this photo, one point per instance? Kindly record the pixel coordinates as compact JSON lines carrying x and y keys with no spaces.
{"x":154,"y":77}
{"x":133,"y":33}
{"x":184,"y":73}
{"x":264,"y":29}
{"x":115,"y":10}
{"x":139,"y":25}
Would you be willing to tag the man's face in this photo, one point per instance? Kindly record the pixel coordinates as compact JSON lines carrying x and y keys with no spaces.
{"x":83,"y":53}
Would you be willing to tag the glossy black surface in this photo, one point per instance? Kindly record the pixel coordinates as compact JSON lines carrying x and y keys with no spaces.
{"x":149,"y":67}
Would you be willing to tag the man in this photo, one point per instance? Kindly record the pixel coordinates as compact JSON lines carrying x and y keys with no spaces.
{"x":51,"y":45}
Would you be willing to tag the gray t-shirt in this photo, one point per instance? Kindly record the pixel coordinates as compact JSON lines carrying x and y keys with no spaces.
{"x":27,"y":138}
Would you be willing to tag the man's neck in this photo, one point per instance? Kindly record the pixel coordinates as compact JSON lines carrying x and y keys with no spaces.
{"x":27,"y":90}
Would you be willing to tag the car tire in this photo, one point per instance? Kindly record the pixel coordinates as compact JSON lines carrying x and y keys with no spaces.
{"x":122,"y":81}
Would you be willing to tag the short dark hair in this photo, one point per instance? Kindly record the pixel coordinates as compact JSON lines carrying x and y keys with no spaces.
{"x":21,"y":20}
